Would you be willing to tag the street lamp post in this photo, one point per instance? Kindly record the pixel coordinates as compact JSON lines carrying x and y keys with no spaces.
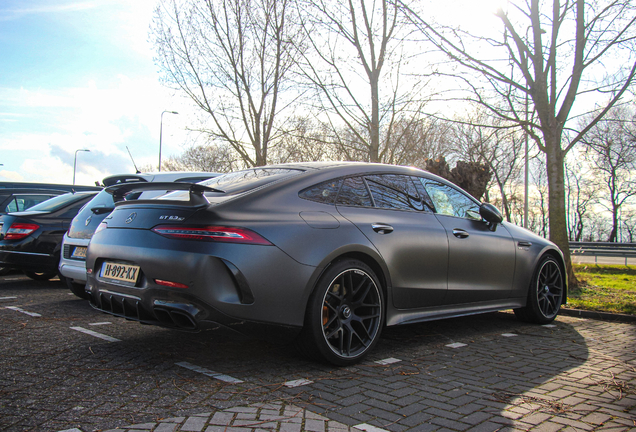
{"x":161,"y":133}
{"x":526,"y":174}
{"x":75,"y":161}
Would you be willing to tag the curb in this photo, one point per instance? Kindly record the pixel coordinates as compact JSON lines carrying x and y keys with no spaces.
{"x":604,"y":316}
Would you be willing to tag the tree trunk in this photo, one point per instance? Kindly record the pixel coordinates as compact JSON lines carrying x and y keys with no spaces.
{"x":613,"y":237}
{"x":556,"y":202}
{"x":374,"y":151}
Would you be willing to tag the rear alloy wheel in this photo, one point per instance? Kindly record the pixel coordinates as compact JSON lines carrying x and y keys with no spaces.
{"x":77,"y":289}
{"x":40,"y":276}
{"x":546,"y":293}
{"x":345,"y":314}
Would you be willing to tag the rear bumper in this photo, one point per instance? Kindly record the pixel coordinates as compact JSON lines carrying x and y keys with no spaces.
{"x":74,"y":269}
{"x":233,"y":285}
{"x":190,"y":317}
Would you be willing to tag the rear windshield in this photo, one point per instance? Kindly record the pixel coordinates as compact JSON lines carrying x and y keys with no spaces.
{"x":57,"y":202}
{"x":241,"y":181}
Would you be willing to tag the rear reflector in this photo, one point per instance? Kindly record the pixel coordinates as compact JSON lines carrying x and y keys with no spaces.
{"x":19,"y":231}
{"x":211,"y":233}
{"x":170,"y":284}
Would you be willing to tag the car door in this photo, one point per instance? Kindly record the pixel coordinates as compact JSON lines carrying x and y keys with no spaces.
{"x":480,"y":261}
{"x":412,"y":242}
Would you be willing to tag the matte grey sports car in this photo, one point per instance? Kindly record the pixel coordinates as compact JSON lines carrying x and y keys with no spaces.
{"x":329,"y":252}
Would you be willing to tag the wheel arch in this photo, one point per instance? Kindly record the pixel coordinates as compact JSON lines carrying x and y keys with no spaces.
{"x":367,"y":256}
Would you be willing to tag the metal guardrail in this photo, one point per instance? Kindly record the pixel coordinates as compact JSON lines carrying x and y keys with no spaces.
{"x":607,"y":249}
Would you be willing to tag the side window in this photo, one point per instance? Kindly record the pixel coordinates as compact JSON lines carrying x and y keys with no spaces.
{"x":354,"y":192}
{"x":325,"y":192}
{"x":25,"y":202}
{"x":392,"y":191}
{"x":426,"y":199}
{"x":12,"y":206}
{"x":451,"y":202}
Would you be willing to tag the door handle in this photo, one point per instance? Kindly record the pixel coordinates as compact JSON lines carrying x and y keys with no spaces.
{"x":460,"y":233}
{"x":382,"y":228}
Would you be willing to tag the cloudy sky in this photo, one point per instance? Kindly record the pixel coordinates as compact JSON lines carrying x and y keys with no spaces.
{"x":79,"y":74}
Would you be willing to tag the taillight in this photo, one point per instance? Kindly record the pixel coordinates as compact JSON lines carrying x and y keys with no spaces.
{"x":170,"y":283}
{"x":19,"y":230}
{"x":211,"y":233}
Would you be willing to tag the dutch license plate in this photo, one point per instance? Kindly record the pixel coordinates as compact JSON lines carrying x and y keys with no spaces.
{"x":120,"y":272}
{"x":79,"y":252}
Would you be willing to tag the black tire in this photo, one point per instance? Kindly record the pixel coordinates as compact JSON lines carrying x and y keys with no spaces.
{"x":5,"y":271}
{"x":77,"y":289}
{"x":545,"y":294}
{"x":344,"y":315}
{"x":39,"y":276}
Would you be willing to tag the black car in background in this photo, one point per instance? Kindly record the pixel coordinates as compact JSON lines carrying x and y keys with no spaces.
{"x":331,"y":252}
{"x":31,"y":240}
{"x":20,"y":196}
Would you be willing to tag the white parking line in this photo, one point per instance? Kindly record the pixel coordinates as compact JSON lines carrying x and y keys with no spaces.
{"x":97,"y":335}
{"x":509,"y":334}
{"x":297,"y":383}
{"x":549,"y":325}
{"x":208,"y":372}
{"x":101,"y":323}
{"x":8,"y":298}
{"x":456,"y":345}
{"x":17,"y":309}
{"x":388,"y":361}
{"x":369,"y":428}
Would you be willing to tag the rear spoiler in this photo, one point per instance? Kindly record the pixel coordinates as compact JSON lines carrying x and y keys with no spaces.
{"x":196,"y":191}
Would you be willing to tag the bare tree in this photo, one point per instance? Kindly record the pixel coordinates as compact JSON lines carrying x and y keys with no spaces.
{"x":556,"y":52}
{"x":610,"y":148}
{"x":629,"y":223}
{"x":481,"y":139}
{"x":232,"y":58}
{"x":416,"y":140}
{"x":305,"y":140}
{"x":581,"y":198}
{"x":538,"y":216}
{"x":208,"y":158}
{"x":359,"y":67}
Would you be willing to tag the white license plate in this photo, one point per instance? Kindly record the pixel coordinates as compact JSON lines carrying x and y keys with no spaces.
{"x":79,"y":252}
{"x":120,"y":272}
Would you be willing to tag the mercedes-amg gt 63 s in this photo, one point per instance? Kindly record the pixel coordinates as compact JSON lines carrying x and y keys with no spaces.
{"x":327,"y":252}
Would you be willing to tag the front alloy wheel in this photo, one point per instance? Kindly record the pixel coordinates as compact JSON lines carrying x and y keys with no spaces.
{"x":546,"y":293}
{"x":344,"y":318}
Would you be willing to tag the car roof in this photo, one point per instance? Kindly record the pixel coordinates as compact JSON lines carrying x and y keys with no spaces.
{"x":25,"y":191}
{"x":168,"y":176}
{"x":55,"y":186}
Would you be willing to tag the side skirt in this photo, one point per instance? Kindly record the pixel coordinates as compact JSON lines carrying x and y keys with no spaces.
{"x":403,"y":316}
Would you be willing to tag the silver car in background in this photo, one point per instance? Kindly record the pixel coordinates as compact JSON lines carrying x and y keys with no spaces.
{"x":73,"y":257}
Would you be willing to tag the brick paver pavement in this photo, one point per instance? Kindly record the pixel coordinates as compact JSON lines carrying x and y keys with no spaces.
{"x":577,"y":376}
{"x":480,"y":373}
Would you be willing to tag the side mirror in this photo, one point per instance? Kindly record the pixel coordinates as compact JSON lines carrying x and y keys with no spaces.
{"x":490,"y":213}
